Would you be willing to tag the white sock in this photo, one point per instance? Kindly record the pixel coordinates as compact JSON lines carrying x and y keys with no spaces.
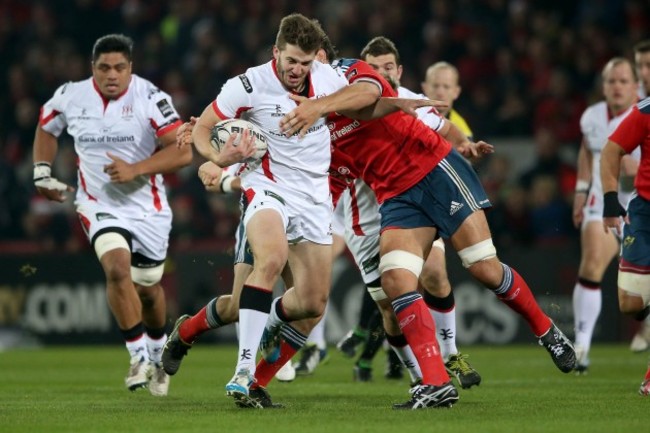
{"x":445,"y":331}
{"x":155,"y":348}
{"x":406,"y":355}
{"x":138,"y":348}
{"x":587,"y":303}
{"x":251,"y":328}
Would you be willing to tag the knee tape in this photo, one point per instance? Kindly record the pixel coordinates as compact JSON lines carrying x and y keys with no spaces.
{"x":147,"y":276}
{"x":439,"y":243}
{"x":638,"y":284}
{"x":481,"y":251}
{"x":109,"y":241}
{"x":398,"y":259}
{"x":377,"y":293}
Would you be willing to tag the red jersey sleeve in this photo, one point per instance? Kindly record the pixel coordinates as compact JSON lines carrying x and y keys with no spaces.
{"x":632,"y":131}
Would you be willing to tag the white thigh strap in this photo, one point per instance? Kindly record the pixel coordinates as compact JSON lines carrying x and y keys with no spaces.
{"x":398,"y":259}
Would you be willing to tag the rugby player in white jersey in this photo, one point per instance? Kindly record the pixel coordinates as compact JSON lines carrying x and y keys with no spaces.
{"x":598,"y":247}
{"x":124,"y":131}
{"x":288,"y":207}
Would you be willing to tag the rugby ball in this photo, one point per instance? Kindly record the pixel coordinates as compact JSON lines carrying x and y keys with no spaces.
{"x":222,"y":131}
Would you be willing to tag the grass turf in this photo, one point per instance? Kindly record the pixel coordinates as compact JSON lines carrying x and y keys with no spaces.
{"x":79,"y":389}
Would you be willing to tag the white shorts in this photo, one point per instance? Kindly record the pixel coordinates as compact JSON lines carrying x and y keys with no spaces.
{"x":149,"y":234}
{"x":593,"y":210}
{"x":338,"y":219}
{"x":365,"y":250}
{"x":303,"y":219}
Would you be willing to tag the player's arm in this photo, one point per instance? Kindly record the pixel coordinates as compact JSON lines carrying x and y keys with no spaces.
{"x":168,"y":159}
{"x":387,"y":105}
{"x":230,"y":153}
{"x":216,"y":179}
{"x":45,"y":149}
{"x":348,"y":101}
{"x":583,"y":165}
{"x":462,"y":143}
{"x":610,"y":168}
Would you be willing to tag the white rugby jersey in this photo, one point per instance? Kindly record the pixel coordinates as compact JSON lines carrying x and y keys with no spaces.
{"x":127,"y":127}
{"x":428,"y":115}
{"x":597,"y":125}
{"x":361,"y":208}
{"x":258,"y":96}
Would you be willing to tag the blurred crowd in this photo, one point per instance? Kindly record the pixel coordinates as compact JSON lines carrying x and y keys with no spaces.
{"x":528,"y":69}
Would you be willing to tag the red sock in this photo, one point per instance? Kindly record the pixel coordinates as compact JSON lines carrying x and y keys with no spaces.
{"x":194,"y":326}
{"x":520,"y":299}
{"x":420,"y":331}
{"x":264,"y":371}
{"x":647,"y":374}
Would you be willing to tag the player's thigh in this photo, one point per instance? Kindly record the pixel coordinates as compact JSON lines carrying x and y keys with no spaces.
{"x":265,"y":231}
{"x":598,"y":248}
{"x":311,"y":266}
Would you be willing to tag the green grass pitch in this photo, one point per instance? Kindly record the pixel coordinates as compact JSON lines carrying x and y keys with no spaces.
{"x":81,"y":390}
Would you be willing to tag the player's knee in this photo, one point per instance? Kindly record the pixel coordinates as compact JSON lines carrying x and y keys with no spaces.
{"x":149,"y":295}
{"x":270,"y":266}
{"x":399,"y":259}
{"x":147,"y":277}
{"x":434,"y":280}
{"x":634,"y":292}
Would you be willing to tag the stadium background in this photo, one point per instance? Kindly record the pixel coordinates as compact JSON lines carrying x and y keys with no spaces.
{"x":528,"y":69}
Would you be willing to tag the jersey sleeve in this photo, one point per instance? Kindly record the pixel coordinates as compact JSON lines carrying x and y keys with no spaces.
{"x":358,"y":71}
{"x":235,"y":98}
{"x":52,"y":118}
{"x":162,"y":113}
{"x":430,"y":117}
{"x":632,"y":131}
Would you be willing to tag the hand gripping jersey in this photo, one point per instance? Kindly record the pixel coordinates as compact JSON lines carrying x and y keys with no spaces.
{"x":127,"y":127}
{"x":633,"y":132}
{"x":390,"y":154}
{"x":258,"y":96}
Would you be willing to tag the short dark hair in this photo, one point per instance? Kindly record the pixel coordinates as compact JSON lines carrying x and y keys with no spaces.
{"x":113,"y":44}
{"x":642,"y":47}
{"x":297,"y":29}
{"x":380,"y":46}
{"x":329,"y":48}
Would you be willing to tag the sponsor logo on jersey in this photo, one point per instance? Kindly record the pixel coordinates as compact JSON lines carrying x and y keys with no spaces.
{"x":371,"y":264}
{"x":165,"y":107}
{"x":455,"y":207}
{"x":628,"y":241}
{"x":152,"y":91}
{"x":246,"y":83}
{"x":344,"y":130}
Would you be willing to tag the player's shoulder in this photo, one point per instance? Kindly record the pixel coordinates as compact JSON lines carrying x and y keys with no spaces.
{"x":594,"y":114}
{"x":72,"y":88}
{"x":254,"y":78}
{"x":145,"y":89}
{"x":346,"y":64}
{"x":644,"y":106}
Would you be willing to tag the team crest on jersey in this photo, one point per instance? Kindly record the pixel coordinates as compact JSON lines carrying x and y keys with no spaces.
{"x":127,"y":111}
{"x":246,"y":83}
{"x":165,"y":107}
